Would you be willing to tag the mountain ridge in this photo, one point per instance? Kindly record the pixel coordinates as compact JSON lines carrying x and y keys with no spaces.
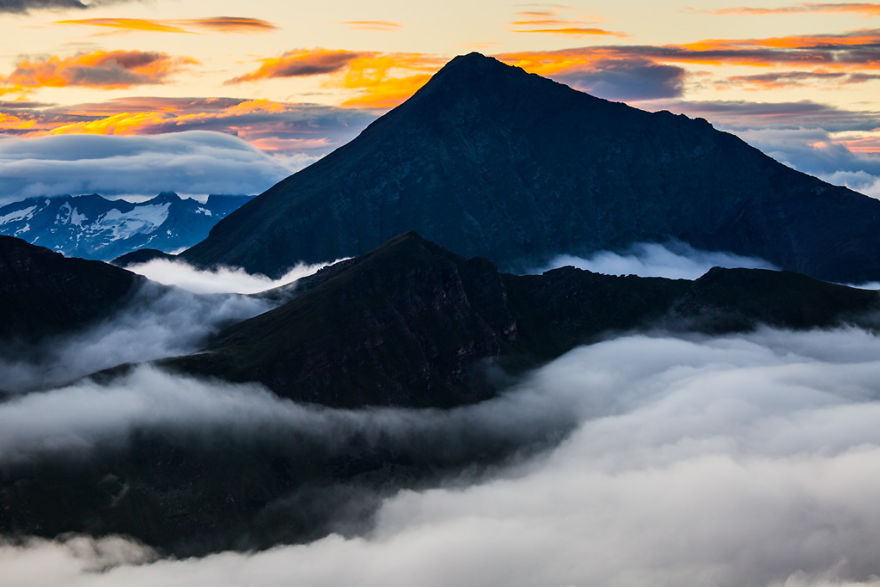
{"x":413,"y":324}
{"x":490,"y":161}
{"x":91,"y":226}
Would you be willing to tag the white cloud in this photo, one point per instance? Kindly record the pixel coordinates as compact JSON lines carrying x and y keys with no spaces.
{"x":221,"y":279}
{"x":192,"y":162}
{"x":750,"y":460}
{"x":675,"y":261}
{"x":157,"y":323}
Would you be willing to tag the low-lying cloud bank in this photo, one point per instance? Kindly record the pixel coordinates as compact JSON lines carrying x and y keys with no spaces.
{"x":675,"y":261}
{"x":219,"y":280}
{"x":157,"y":323}
{"x":749,"y":460}
{"x":193,"y":162}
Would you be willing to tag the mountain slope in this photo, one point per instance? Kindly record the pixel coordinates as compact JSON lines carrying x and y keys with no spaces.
{"x":413,"y":324}
{"x":490,"y":161}
{"x":96,"y":228}
{"x":42,"y":293}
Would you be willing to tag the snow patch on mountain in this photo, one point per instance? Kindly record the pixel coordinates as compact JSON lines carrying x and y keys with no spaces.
{"x":16,"y":215}
{"x":94,"y":227}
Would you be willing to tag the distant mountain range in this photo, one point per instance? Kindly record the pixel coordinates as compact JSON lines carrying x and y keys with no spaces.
{"x":94,"y":227}
{"x":487,"y":160}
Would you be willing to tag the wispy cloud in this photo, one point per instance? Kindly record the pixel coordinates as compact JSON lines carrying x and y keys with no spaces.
{"x":865,"y":9}
{"x":787,"y":79}
{"x":235,"y":24}
{"x":373,"y":25}
{"x":552,"y":20}
{"x":24,"y":6}
{"x":300,"y":63}
{"x":852,"y":52}
{"x":100,"y":69}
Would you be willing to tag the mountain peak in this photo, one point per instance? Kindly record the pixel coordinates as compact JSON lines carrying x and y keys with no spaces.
{"x":476,"y":73}
{"x":474,"y":62}
{"x":490,"y":161}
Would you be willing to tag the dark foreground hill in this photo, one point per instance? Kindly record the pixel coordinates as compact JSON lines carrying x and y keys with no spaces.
{"x":406,"y":324}
{"x":487,"y":160}
{"x":412,"y":324}
{"x":43,"y":293}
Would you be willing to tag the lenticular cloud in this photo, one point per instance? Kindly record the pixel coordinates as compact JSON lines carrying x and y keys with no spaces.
{"x":744,"y":460}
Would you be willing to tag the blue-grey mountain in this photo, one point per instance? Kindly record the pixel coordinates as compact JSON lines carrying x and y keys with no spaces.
{"x":94,"y":227}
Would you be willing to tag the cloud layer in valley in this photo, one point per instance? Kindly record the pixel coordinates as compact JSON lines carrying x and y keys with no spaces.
{"x":159,"y":322}
{"x":750,"y":460}
{"x":675,"y":261}
{"x":219,"y":280}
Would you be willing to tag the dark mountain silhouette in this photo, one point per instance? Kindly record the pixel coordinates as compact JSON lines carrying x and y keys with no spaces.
{"x":141,"y":256}
{"x":42,"y":293}
{"x":487,"y":160}
{"x":412,"y":324}
{"x":407,"y":324}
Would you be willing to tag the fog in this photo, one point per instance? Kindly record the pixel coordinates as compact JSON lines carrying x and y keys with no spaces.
{"x":749,"y":460}
{"x":157,"y":323}
{"x":218,"y":280}
{"x":674,"y":260}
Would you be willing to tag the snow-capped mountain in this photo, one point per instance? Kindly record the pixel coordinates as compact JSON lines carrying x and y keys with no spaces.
{"x":94,"y":227}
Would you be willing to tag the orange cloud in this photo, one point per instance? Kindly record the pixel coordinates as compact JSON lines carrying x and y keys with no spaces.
{"x":384,"y":80}
{"x":236,"y":24}
{"x":853,"y":38}
{"x":101,"y":69}
{"x":852,"y":52}
{"x":861,"y":8}
{"x":380,"y":80}
{"x":373,"y":25}
{"x":551,"y":22}
{"x":299,"y":63}
{"x":869,"y":145}
{"x":573,"y":31}
{"x":270,"y":126}
{"x":131,"y":24}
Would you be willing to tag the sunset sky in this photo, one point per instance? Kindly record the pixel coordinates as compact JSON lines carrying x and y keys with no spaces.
{"x":293,"y":80}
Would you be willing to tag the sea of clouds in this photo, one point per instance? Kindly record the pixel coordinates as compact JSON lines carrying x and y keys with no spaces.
{"x":748,"y":460}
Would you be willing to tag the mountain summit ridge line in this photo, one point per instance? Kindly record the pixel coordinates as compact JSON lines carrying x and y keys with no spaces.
{"x":487,"y":160}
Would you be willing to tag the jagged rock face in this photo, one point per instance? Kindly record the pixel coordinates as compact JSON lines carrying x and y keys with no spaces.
{"x":412,"y":324}
{"x":93,"y":227}
{"x":489,"y":161}
{"x":42,"y":293}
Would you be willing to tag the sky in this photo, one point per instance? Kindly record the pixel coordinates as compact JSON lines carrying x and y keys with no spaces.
{"x":294,"y":80}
